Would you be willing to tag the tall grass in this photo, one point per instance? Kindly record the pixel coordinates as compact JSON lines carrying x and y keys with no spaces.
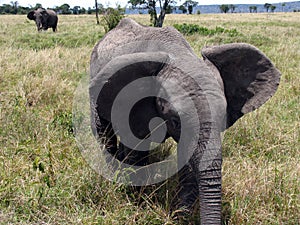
{"x":44,"y":179}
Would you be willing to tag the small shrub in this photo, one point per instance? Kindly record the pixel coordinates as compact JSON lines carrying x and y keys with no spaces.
{"x":111,"y":18}
{"x":189,"y":29}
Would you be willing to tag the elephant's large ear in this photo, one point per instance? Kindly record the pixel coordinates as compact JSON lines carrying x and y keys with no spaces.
{"x":30,"y":15}
{"x":107,"y":82}
{"x":249,"y":77}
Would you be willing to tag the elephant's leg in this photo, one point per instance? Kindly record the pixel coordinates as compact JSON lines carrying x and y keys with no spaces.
{"x":133,"y":157}
{"x":122,"y":153}
{"x":187,"y":194}
{"x":137,"y":159}
{"x":188,"y":188}
{"x":107,"y":136}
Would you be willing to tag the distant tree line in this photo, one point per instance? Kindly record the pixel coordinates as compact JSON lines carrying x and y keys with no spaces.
{"x":267,"y":6}
{"x":15,"y":8}
{"x":252,"y":9}
{"x":166,"y":8}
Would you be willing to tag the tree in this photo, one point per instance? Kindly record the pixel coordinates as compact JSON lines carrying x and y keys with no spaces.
{"x":189,"y":4}
{"x":224,"y":8}
{"x":250,"y":9}
{"x":14,"y":6}
{"x":169,"y":9}
{"x":112,"y":17}
{"x":151,"y":5}
{"x":267,"y":6}
{"x":282,"y":7}
{"x":76,"y":10}
{"x":23,"y":10}
{"x":64,"y":9}
{"x":38,"y":5}
{"x":183,"y":9}
{"x":253,"y":9}
{"x":272,"y":7}
{"x":82,"y":10}
{"x":6,"y":9}
{"x":232,"y":8}
{"x":97,"y":16}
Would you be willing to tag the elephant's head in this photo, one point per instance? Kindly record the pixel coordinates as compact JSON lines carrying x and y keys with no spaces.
{"x":40,"y":17}
{"x":43,"y":18}
{"x":139,"y":73}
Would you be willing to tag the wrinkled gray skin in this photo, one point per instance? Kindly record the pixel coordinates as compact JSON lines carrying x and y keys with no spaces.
{"x":235,"y":78}
{"x":44,"y":19}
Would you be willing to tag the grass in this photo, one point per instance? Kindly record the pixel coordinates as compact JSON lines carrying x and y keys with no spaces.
{"x":44,"y":179}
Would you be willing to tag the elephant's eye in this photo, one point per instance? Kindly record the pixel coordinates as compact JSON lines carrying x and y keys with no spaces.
{"x":175,"y":122}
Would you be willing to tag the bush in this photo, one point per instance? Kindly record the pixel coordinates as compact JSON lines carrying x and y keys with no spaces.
{"x":189,"y":29}
{"x":111,"y":18}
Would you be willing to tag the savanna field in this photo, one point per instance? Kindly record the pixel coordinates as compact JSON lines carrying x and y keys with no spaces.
{"x":45,"y":180}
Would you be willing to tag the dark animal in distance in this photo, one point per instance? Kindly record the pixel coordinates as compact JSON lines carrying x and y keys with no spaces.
{"x":44,"y":19}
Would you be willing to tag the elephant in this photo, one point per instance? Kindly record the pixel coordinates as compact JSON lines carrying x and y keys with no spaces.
{"x":44,"y":18}
{"x":195,"y":98}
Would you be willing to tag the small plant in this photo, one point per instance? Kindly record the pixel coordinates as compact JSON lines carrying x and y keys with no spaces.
{"x":63,"y":121}
{"x":111,"y":18}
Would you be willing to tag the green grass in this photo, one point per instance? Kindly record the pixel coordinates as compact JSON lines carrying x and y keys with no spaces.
{"x":43,"y":177}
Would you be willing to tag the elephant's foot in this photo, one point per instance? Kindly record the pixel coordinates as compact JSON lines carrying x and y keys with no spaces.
{"x":226,"y":213}
{"x":132,"y":157}
{"x":185,"y":217}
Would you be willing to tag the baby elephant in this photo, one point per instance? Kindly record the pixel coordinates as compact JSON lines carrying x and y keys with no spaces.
{"x":44,"y":18}
{"x":147,"y":84}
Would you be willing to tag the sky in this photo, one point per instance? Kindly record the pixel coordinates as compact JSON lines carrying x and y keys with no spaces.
{"x":90,"y":3}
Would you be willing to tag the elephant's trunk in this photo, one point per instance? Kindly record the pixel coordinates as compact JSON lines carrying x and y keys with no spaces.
{"x":210,"y":194}
{"x":208,"y":173}
{"x":39,"y":25}
{"x":202,"y":112}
